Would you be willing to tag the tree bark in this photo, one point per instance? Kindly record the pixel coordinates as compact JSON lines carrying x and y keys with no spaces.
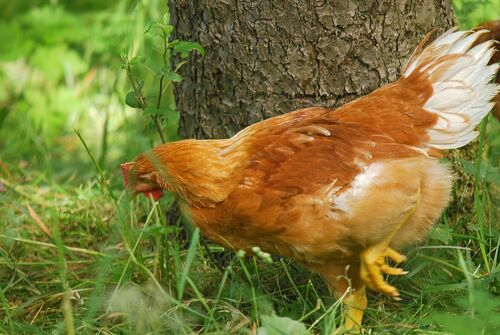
{"x":265,"y":58}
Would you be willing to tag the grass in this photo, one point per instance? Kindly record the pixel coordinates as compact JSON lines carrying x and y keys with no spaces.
{"x":79,"y":256}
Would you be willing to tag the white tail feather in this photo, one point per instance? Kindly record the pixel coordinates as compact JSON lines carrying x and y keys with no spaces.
{"x":461,"y":85}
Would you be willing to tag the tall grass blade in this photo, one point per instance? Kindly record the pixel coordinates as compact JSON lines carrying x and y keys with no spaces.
{"x":189,"y":261}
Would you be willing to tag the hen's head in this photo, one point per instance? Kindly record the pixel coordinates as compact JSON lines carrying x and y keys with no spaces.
{"x":140,"y":176}
{"x":198,"y":172}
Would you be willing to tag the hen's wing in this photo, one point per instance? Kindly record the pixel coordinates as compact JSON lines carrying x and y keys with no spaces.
{"x":443,"y":94}
{"x":318,"y":151}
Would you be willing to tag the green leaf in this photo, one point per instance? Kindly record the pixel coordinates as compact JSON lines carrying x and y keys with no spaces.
{"x":131,"y":100}
{"x":168,"y":30}
{"x":175,"y":77}
{"x":276,"y":325}
{"x":137,"y":60}
{"x":184,"y":47}
{"x":150,"y":111}
{"x":480,"y":315}
{"x":442,"y":233}
{"x":155,"y":28}
{"x":166,"y":18}
{"x":165,"y":70}
{"x":459,"y":324}
{"x":124,"y":57}
{"x":55,"y":61}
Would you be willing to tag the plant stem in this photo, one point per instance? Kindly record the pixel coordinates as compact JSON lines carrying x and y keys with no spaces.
{"x":159,"y":128}
{"x":142,"y":100}
{"x":477,"y":197}
{"x":160,"y":91}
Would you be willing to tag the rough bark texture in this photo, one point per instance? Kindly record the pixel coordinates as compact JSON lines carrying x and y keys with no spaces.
{"x":264,"y":58}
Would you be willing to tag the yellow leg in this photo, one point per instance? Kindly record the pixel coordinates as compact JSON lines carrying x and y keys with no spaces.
{"x":354,"y":308}
{"x":373,"y":262}
{"x":355,"y":305}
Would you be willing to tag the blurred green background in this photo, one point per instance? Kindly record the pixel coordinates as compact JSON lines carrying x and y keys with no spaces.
{"x":60,"y":69}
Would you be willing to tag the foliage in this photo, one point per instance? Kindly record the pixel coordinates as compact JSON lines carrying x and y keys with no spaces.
{"x":77,"y":255}
{"x":474,"y":12}
{"x":151,"y":104}
{"x":481,"y":315}
{"x":62,"y":73}
{"x":275,"y":325}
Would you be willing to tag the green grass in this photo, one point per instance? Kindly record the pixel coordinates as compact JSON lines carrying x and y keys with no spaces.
{"x":78,"y":256}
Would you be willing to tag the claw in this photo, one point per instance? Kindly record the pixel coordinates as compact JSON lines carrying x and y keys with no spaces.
{"x":373,"y":265}
{"x":392,"y":271}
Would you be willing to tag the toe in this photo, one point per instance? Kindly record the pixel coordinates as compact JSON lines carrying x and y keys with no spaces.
{"x":395,"y":256}
{"x":392,"y":271}
{"x":373,"y":266}
{"x":372,"y":276}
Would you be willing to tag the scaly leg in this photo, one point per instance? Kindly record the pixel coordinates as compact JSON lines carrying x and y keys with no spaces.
{"x":355,"y":305}
{"x":354,"y":308}
{"x":341,"y":278}
{"x":373,"y":260}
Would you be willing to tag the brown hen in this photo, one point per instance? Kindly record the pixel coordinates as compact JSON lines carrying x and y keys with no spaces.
{"x":338,"y":190}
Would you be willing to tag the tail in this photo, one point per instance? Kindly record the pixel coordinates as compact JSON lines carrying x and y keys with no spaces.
{"x":461,"y":83}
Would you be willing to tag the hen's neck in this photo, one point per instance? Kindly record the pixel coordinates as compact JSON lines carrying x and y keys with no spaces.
{"x":202,"y":172}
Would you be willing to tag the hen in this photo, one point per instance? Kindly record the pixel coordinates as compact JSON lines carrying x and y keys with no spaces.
{"x":338,"y":190}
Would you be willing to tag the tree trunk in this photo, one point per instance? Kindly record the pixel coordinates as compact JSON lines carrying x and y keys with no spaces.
{"x":265,"y":58}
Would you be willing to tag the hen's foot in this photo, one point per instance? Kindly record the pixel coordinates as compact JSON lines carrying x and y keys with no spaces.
{"x":373,"y":264}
